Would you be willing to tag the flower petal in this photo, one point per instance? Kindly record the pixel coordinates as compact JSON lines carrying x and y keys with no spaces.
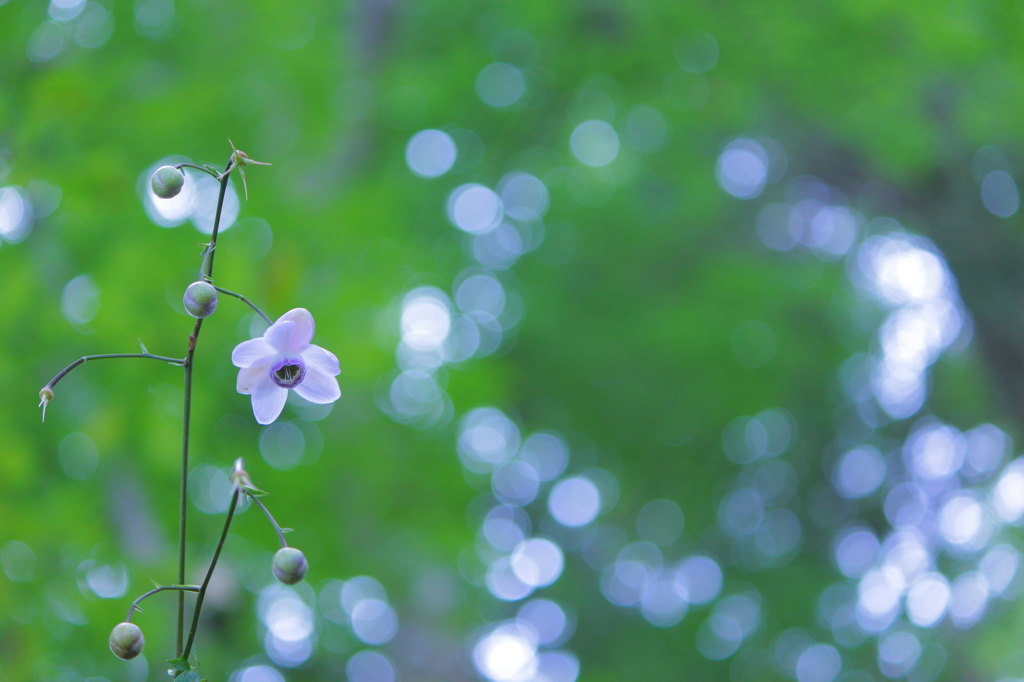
{"x":249,"y":353}
{"x":321,"y":360}
{"x":268,"y":400}
{"x":279,"y":335}
{"x":251,"y":377}
{"x":300,"y":328}
{"x":318,"y":387}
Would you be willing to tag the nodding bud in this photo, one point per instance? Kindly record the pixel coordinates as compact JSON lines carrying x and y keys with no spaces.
{"x":200,"y":299}
{"x":289,"y":565}
{"x":126,"y":641}
{"x":167,"y":182}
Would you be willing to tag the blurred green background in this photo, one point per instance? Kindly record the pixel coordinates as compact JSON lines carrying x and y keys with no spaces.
{"x":678,"y":340}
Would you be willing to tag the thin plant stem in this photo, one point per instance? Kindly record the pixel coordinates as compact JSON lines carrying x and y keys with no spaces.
{"x":216,"y":221}
{"x":206,"y":170}
{"x":243,"y":299}
{"x":186,"y":423}
{"x":187,"y":418}
{"x":277,"y":528}
{"x":206,"y":580}
{"x":135,"y":604}
{"x":107,"y":356}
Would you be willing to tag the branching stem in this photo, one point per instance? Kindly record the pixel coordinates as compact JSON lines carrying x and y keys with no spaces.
{"x":135,"y":604}
{"x":243,"y":299}
{"x":108,"y":356}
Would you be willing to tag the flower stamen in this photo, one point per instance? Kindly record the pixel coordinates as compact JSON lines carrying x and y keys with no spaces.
{"x":289,"y":375}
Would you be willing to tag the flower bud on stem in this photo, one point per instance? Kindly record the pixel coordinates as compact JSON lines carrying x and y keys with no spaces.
{"x":167,"y":182}
{"x":289,"y":565}
{"x":200,"y":299}
{"x":126,"y":641}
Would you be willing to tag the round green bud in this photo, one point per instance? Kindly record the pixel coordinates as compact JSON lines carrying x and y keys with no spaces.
{"x":167,"y":182}
{"x":200,"y":299}
{"x":126,"y":641}
{"x":289,"y":565}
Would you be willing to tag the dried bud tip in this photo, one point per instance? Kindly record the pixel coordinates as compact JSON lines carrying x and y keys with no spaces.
{"x":167,"y":182}
{"x":200,"y":299}
{"x":126,"y":641}
{"x":243,"y":159}
{"x":289,"y":565}
{"x":240,"y":477}
{"x":45,"y":396}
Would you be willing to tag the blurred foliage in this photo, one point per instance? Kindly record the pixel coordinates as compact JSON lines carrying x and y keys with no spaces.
{"x":631,"y":303}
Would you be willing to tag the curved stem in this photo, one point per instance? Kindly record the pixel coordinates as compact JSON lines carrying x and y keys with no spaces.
{"x":206,"y":581}
{"x":179,"y":166}
{"x":243,"y":299}
{"x":135,"y":604}
{"x":107,"y":356}
{"x":277,"y":528}
{"x":186,"y":421}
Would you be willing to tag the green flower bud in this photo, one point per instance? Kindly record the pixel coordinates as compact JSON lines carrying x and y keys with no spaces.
{"x":200,"y":299}
{"x":289,"y":565}
{"x":167,"y":182}
{"x":126,"y":641}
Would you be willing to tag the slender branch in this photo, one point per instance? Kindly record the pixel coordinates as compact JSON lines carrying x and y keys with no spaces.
{"x":135,"y":604}
{"x":277,"y":528}
{"x":186,"y":421}
{"x":206,"y":580}
{"x":243,"y":299}
{"x":106,"y":356}
{"x":214,"y":173}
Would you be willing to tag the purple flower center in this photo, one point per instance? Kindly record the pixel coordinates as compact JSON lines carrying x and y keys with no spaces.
{"x":288,"y":373}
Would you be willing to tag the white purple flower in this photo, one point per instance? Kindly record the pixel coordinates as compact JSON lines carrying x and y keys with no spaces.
{"x":283,"y":359}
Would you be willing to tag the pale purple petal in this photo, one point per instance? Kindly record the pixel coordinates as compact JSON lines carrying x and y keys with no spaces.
{"x":321,"y":360}
{"x":318,"y":387}
{"x":287,"y":340}
{"x":279,"y":335}
{"x":251,"y":377}
{"x":249,"y":353}
{"x":300,"y":331}
{"x":268,"y":400}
